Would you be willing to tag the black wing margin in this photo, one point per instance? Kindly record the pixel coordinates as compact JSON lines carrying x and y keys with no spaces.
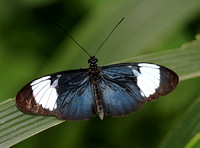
{"x":66,"y":95}
{"x":126,"y":87}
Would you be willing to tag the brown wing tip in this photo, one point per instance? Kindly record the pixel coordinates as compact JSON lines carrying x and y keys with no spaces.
{"x":27,"y":104}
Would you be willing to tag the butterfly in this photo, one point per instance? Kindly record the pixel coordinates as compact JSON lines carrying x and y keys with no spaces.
{"x":115,"y":90}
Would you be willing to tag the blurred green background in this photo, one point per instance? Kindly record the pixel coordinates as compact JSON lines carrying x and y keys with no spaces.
{"x":31,"y":46}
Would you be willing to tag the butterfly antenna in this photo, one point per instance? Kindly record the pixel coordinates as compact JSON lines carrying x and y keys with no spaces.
{"x":72,"y":39}
{"x":108,"y":36}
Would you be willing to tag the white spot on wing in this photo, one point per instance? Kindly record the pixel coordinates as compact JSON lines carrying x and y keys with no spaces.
{"x":148,"y":79}
{"x":129,"y":66}
{"x":148,"y":65}
{"x":45,"y":97}
{"x":45,"y":93}
{"x":53,"y":96}
{"x":40,"y":79}
{"x":39,"y":89}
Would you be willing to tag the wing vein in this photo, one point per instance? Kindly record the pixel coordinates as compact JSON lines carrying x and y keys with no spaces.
{"x":75,"y":87}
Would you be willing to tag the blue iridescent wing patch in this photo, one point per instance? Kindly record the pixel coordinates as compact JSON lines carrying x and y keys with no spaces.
{"x":126,"y":87}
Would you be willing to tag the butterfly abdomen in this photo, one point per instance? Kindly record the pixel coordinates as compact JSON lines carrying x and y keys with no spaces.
{"x":99,"y":99}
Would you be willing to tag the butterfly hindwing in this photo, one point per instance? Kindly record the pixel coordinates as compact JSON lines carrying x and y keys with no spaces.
{"x":126,"y":87}
{"x":66,"y":95}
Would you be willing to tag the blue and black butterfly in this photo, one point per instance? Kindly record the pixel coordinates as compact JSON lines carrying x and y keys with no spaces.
{"x":115,"y":90}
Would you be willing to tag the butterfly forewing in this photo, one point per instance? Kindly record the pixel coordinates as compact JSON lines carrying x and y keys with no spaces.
{"x":66,"y":95}
{"x":126,"y":87}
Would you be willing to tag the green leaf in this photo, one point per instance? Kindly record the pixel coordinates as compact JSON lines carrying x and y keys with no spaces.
{"x":185,"y":60}
{"x":186,"y":129}
{"x":16,"y":126}
{"x":194,"y":142}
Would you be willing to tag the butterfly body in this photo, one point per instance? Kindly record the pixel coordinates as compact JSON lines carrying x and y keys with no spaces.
{"x":94,"y":72}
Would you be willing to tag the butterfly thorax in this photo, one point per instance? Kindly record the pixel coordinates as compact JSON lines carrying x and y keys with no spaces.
{"x":93,"y":68}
